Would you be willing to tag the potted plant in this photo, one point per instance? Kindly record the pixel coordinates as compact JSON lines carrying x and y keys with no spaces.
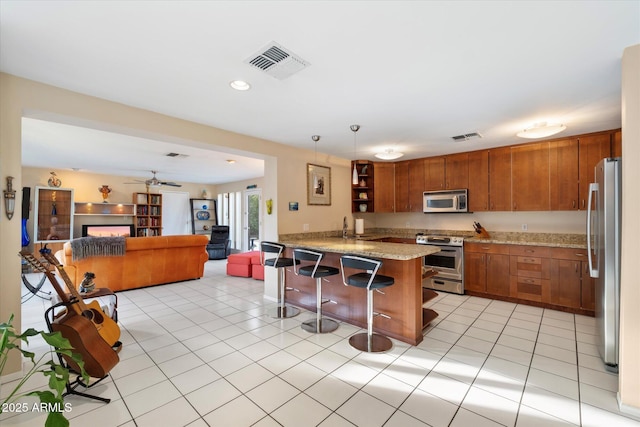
{"x":50,"y":400}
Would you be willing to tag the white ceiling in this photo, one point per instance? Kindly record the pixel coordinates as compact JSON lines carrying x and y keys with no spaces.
{"x":412,"y":74}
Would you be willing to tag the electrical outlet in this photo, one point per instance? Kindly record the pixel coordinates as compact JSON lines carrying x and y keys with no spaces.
{"x":525,"y":227}
{"x":305,"y":227}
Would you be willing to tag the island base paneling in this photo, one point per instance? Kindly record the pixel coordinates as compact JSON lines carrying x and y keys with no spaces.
{"x":402,"y":301}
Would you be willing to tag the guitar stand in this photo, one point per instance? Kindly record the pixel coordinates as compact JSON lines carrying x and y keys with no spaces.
{"x":49,"y":316}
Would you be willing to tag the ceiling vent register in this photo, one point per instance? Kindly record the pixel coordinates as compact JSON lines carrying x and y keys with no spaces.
{"x":277,"y":61}
{"x":466,"y":136}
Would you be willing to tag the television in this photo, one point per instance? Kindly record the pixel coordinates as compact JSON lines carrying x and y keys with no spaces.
{"x":108,"y":230}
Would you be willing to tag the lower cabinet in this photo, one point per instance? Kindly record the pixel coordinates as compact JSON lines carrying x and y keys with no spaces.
{"x":549,"y":277}
{"x":485,"y":267}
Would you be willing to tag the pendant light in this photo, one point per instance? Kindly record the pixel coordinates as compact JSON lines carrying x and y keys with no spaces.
{"x":354,"y":129}
{"x":315,"y":139}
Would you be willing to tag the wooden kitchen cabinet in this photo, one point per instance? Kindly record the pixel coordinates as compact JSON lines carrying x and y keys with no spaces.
{"x":500,"y":179}
{"x":409,"y":185}
{"x":478,"y":166}
{"x":529,"y":273}
{"x":434,"y":169}
{"x":530,"y":177}
{"x":362,"y":193}
{"x":563,"y":175}
{"x":486,"y":268}
{"x":592,"y":149}
{"x":383,"y":183}
{"x":457,"y":171}
{"x":616,"y":144}
{"x":571,"y":284}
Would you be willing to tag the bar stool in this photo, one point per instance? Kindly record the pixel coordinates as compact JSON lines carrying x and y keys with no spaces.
{"x":279,"y":262}
{"x":318,"y":272}
{"x":371,"y":281}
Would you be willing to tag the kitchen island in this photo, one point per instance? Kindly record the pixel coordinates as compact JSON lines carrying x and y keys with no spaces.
{"x":402,"y":302}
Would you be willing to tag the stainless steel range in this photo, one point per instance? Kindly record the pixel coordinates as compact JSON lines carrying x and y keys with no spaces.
{"x":448,"y":263}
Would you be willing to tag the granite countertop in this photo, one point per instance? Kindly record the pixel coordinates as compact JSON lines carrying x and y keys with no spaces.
{"x":559,"y":240}
{"x":384,"y":250}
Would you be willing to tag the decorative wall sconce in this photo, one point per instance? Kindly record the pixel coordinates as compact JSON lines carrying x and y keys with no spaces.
{"x":9,"y":198}
{"x":269,"y":204}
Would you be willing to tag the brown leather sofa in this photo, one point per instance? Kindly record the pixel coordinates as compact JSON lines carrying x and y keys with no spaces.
{"x":147,"y":261}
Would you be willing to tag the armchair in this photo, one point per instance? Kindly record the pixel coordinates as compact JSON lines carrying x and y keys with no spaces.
{"x":219,"y":244}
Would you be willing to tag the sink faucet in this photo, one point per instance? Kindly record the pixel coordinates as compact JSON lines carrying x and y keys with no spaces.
{"x":344,"y":227}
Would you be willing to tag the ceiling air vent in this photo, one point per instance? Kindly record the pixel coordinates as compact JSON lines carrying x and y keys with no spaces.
{"x":466,"y":136}
{"x":277,"y":61}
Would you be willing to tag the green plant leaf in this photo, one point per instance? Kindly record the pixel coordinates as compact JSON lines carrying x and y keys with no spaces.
{"x":56,"y":419}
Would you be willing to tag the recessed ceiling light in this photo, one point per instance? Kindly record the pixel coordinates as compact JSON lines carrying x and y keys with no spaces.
{"x":240,"y":85}
{"x":231,"y":161}
{"x":540,"y":130}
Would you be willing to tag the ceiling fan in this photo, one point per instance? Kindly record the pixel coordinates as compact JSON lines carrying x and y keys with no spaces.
{"x":155,"y":182}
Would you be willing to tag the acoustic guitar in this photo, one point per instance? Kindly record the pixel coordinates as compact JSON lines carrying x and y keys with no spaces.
{"x":105,"y":325}
{"x":98,"y":356}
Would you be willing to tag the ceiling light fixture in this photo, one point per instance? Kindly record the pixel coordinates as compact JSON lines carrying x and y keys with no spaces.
{"x":231,"y":161}
{"x":389,"y":154}
{"x":540,"y":130}
{"x":240,"y":85}
{"x":354,"y":129}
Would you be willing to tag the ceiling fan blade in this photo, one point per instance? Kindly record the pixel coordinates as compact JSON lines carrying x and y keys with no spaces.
{"x":171,"y":184}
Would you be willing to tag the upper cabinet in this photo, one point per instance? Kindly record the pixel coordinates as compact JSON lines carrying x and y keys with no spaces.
{"x":530,"y":177}
{"x":616,"y":144}
{"x":457,"y":171}
{"x":434,"y":169}
{"x":563,"y":174}
{"x":362,"y":193}
{"x":54,"y":210}
{"x":500,"y":179}
{"x":383,"y":184}
{"x":479,"y":182}
{"x":592,"y":149}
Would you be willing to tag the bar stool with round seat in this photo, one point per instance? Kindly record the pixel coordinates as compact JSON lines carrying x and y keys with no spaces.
{"x":315,"y":271}
{"x":371,"y":281}
{"x":279,"y":262}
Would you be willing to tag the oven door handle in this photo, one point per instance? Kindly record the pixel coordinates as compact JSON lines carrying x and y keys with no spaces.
{"x":447,"y":250}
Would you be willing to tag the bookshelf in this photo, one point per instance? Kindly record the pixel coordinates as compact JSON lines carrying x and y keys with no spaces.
{"x":203,"y":215}
{"x":148,"y":218}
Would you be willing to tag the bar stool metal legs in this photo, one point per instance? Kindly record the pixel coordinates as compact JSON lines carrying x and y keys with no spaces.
{"x":279,"y":263}
{"x":282,"y":311}
{"x":319,"y":325}
{"x":371,"y":281}
{"x":369,"y":341}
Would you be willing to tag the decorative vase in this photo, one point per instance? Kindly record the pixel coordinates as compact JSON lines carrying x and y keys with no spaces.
{"x":54,"y":210}
{"x":25,"y":233}
{"x":363,"y":207}
{"x":363,"y":183}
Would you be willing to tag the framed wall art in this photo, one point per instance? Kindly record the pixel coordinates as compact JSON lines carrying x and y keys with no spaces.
{"x":318,"y":185}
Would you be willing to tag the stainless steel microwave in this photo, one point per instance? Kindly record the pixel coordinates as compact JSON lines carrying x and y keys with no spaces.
{"x":445,"y":201}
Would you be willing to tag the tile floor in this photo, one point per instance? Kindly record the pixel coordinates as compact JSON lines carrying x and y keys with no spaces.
{"x":203,"y":353}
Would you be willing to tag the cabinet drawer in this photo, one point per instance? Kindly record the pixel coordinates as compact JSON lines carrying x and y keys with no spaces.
{"x":527,"y":266}
{"x":568,"y":253}
{"x":525,"y":250}
{"x":487,"y":248}
{"x":530,"y":288}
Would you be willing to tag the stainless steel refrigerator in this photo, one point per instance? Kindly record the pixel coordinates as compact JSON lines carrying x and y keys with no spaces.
{"x":603,"y":246}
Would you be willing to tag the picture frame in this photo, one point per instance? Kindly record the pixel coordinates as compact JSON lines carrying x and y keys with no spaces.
{"x":318,"y":185}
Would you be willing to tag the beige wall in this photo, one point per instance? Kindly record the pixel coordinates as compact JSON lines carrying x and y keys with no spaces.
{"x":629,"y":387}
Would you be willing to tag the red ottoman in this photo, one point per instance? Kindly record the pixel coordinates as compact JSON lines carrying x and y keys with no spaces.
{"x":257,"y":269}
{"x":240,"y":265}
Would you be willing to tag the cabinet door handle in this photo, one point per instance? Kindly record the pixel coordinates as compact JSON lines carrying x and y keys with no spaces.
{"x":531,"y":251}
{"x":488,"y":258}
{"x":576,"y":267}
{"x":583,"y":202}
{"x":573,"y":204}
{"x":485,"y":248}
{"x":579,"y":254}
{"x":482,"y":258}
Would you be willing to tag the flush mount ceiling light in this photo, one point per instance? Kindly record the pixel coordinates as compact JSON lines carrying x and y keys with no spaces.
{"x":389,"y":154}
{"x":231,"y":161}
{"x":240,"y":85}
{"x":540,"y":130}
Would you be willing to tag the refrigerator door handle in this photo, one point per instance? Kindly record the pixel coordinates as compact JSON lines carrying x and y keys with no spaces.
{"x":593,"y":189}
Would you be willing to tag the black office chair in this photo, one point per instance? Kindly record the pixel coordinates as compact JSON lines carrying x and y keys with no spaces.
{"x":371,"y":281}
{"x":219,"y":244}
